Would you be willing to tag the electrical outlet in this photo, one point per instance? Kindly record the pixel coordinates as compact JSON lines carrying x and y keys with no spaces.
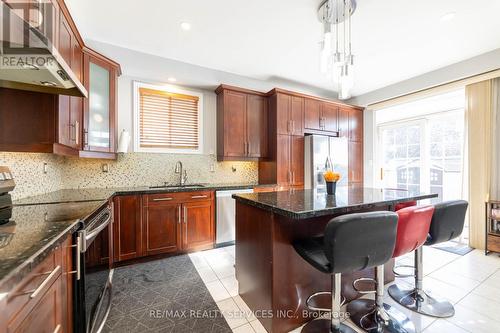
{"x":212,"y":167}
{"x":105,"y":168}
{"x":45,"y":167}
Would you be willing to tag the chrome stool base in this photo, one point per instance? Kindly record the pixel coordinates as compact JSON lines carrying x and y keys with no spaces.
{"x":421,"y":302}
{"x":325,"y":325}
{"x":364,"y":313}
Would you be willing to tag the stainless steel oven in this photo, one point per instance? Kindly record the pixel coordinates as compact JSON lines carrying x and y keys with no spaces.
{"x":94,"y":277}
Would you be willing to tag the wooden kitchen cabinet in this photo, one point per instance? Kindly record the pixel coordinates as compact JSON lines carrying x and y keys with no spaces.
{"x":312,"y":114}
{"x":99,"y":109}
{"x":42,"y":301}
{"x":198,"y":227}
{"x":289,"y":113}
{"x":59,"y":124}
{"x":162,"y":228}
{"x":329,"y":114}
{"x":161,"y":223}
{"x":321,"y":116}
{"x":356,"y":125}
{"x":344,"y":122}
{"x":242,"y":124}
{"x":127,"y":227}
{"x":290,"y":160}
{"x":355,"y":162}
{"x":70,"y":108}
{"x":48,"y":314}
{"x":257,"y":126}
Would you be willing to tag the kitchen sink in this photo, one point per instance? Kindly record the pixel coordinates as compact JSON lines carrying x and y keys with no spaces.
{"x":177,"y":186}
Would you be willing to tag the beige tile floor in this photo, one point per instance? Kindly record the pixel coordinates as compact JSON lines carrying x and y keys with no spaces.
{"x":470,"y":282}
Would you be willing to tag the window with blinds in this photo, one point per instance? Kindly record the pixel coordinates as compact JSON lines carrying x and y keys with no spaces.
{"x":168,"y":120}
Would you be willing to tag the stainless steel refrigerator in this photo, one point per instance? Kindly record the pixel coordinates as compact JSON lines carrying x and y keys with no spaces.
{"x":322,"y":152}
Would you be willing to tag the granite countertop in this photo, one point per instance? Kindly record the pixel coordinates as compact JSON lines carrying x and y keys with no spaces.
{"x":92,"y":194}
{"x":33,"y":233}
{"x":41,"y":222}
{"x":302,"y":204}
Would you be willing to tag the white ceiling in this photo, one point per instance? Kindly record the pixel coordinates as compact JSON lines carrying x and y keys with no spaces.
{"x":393,"y":40}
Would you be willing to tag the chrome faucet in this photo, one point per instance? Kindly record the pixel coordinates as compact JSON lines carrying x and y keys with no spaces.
{"x":182,"y":173}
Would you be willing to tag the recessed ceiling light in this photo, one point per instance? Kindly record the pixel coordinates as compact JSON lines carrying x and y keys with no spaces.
{"x":185,"y":26}
{"x":448,"y":17}
{"x":172,"y":79}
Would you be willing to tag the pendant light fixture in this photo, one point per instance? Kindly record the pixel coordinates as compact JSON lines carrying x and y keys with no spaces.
{"x":336,"y":58}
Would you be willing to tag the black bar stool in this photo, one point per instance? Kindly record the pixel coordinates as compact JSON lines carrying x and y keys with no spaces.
{"x":447,"y":223}
{"x":350,"y":243}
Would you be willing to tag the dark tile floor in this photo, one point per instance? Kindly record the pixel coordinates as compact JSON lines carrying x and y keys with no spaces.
{"x":164,"y":295}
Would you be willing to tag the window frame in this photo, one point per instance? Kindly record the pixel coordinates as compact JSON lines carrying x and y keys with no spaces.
{"x":136,"y":121}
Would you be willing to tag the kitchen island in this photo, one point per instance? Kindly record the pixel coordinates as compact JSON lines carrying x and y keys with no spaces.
{"x":274,"y":281}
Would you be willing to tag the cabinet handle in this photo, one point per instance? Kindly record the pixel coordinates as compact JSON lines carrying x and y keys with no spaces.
{"x":162,"y":199}
{"x":293,"y":126}
{"x":57,"y":329}
{"x":85,"y":137}
{"x":42,"y":286}
{"x":179,"y":218}
{"x":185,"y":215}
{"x":199,"y":196}
{"x":77,"y":132}
{"x":293,"y":177}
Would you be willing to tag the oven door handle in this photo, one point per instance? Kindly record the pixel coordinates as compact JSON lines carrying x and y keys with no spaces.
{"x":109,"y":289}
{"x":87,"y":238}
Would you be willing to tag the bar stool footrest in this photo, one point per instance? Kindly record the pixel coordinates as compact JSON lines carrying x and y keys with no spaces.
{"x":400,"y":275}
{"x":320,"y":293}
{"x":354,"y":285}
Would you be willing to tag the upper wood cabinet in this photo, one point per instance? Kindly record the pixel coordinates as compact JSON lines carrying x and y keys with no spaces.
{"x":242,"y":124}
{"x":312,"y":114}
{"x":60,"y":124}
{"x":355,"y":125}
{"x":99,"y":109}
{"x":321,"y":116}
{"x":289,"y":113}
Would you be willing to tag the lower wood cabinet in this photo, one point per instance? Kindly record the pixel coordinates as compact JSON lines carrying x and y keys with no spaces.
{"x":163,"y":223}
{"x":43,"y":300}
{"x":162,"y":228}
{"x":127,"y":227}
{"x":198,"y":229}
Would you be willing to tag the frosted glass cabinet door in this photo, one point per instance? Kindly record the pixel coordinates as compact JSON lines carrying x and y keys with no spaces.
{"x":99,"y":136}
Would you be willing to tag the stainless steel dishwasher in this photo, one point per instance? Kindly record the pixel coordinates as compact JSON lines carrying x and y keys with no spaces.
{"x":226,"y":216}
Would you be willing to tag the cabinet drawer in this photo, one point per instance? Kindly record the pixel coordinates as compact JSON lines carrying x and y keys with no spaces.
{"x":195,"y":196}
{"x":161,"y":198}
{"x":33,"y":288}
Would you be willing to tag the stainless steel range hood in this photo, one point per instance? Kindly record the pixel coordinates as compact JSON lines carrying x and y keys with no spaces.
{"x":29,"y":61}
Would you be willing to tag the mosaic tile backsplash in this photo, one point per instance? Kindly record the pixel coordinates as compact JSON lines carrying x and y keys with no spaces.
{"x":132,"y":169}
{"x":29,"y":175}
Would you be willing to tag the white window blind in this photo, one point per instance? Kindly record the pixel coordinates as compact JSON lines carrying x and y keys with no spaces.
{"x":168,"y":120}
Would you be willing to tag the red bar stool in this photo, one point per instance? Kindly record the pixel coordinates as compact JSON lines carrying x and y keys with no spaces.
{"x":445,"y":223}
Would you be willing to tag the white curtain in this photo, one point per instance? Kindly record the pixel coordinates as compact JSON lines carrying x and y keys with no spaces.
{"x":495,"y":141}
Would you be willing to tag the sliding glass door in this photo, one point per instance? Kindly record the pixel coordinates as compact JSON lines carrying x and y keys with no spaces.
{"x":424,"y":154}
